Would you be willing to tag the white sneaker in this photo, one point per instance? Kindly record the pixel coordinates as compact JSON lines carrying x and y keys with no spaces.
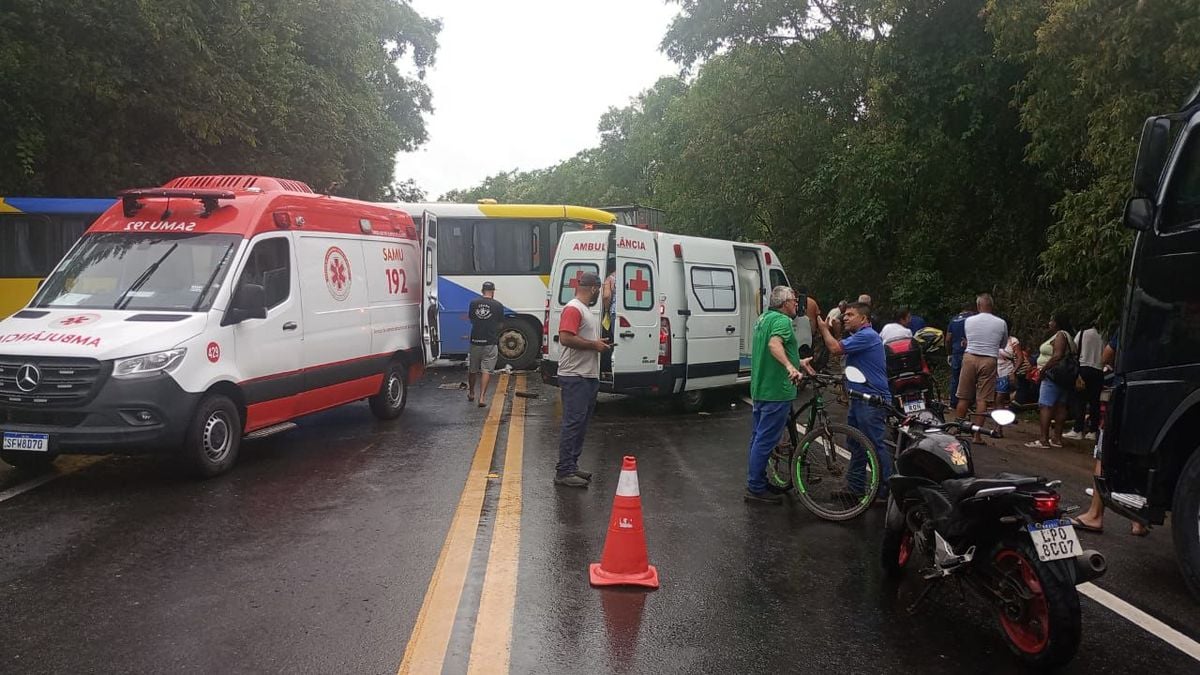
{"x":1073,"y":435}
{"x":1089,"y":436}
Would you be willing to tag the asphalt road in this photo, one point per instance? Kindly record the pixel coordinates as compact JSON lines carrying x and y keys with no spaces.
{"x":355,"y":546}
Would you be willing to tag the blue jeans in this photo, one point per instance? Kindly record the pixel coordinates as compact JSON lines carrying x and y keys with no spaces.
{"x":955,"y":369}
{"x":769,"y":420}
{"x":871,"y":421}
{"x":578,"y":404}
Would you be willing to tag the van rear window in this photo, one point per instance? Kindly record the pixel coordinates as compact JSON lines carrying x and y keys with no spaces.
{"x":570,"y":279}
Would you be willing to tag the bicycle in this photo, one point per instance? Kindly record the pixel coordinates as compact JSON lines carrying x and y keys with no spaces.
{"x":818,"y":465}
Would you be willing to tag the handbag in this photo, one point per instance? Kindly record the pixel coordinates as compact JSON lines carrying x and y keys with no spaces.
{"x":1065,"y":372}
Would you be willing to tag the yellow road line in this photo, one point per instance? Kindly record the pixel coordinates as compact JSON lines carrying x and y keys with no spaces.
{"x":426,"y":648}
{"x":492,"y":643}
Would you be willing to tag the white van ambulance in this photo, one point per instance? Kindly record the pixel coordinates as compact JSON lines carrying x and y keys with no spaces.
{"x":213,"y":308}
{"x":685,"y":308}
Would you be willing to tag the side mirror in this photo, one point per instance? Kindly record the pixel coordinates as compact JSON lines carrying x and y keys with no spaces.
{"x":1152,"y":155}
{"x":249,"y":302}
{"x":1139,"y":214}
{"x":1004,"y":417}
{"x":855,"y":375}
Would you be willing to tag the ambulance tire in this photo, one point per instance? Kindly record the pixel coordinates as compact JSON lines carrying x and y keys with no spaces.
{"x":520,"y":345}
{"x":690,"y":401}
{"x":393,"y":393}
{"x":212,"y":441}
{"x":31,"y":462}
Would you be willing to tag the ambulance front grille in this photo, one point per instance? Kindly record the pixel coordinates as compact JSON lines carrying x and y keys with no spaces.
{"x":60,"y":381}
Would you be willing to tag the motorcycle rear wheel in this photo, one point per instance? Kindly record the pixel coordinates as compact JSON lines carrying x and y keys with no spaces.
{"x":1043,"y":630}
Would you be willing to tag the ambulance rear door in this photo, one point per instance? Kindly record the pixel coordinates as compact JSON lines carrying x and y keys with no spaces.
{"x":578,"y":253}
{"x":637,"y":308}
{"x":431,"y":334}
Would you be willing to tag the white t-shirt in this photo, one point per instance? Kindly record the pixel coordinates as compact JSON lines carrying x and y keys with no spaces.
{"x":578,"y":319}
{"x":1091,"y":348}
{"x":893,"y":331}
{"x":986,"y":334}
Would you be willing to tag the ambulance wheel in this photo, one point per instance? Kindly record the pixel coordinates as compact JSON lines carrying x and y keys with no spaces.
{"x":690,"y":401}
{"x":519,"y":345}
{"x":33,"y":462}
{"x":393,"y":393}
{"x":211,"y":444}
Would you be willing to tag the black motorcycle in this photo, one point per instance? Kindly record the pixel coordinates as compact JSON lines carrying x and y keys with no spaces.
{"x":1004,"y":537}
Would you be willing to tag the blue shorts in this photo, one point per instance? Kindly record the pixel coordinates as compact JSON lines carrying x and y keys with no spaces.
{"x":1050,"y":394}
{"x":1003,"y":385}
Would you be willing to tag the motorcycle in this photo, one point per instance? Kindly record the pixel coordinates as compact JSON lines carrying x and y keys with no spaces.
{"x":1006,"y":538}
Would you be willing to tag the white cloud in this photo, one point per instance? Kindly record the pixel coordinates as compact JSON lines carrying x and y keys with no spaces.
{"x":523,"y":83}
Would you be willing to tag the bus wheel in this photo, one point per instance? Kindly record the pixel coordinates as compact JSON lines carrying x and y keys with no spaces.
{"x":393,"y":393}
{"x":519,"y":344}
{"x":1185,"y":522}
{"x":213,"y":438}
{"x":690,"y":401}
{"x":33,"y":462}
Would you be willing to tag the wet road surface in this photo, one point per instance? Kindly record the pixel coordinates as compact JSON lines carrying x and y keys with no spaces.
{"x":355,"y":546}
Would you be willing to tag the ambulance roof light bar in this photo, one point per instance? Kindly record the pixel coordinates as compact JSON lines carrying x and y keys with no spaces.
{"x":131,"y":199}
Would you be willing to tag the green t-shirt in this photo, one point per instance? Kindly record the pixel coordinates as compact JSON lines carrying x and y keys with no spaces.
{"x":768,"y":378}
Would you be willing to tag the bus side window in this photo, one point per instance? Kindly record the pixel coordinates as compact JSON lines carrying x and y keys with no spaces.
{"x":1182,"y":204}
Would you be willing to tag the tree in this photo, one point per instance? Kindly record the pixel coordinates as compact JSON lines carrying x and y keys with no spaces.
{"x":105,"y":95}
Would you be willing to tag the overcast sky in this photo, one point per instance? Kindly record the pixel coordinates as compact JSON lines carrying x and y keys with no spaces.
{"x":523,"y":83}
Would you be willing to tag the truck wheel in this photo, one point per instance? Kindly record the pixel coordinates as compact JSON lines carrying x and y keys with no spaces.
{"x":519,"y":345}
{"x":393,"y":393}
{"x":33,"y":462}
{"x":690,"y":401}
{"x":212,"y":441}
{"x":1185,"y":523}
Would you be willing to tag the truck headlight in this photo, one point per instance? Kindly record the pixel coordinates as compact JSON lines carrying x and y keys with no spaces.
{"x":147,"y":365}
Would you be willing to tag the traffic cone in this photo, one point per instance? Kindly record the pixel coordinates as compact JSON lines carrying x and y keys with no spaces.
{"x":625,"y":562}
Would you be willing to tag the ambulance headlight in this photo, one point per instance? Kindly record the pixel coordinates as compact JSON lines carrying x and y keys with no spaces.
{"x":147,"y":365}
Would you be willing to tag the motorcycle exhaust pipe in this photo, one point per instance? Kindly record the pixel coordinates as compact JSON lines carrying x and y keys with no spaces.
{"x":1089,"y":566}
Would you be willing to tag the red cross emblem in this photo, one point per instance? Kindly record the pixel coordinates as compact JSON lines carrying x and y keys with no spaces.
{"x":639,"y":285}
{"x":574,"y":283}
{"x":74,"y":320}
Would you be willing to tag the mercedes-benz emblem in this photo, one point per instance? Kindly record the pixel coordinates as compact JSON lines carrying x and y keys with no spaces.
{"x":28,"y":377}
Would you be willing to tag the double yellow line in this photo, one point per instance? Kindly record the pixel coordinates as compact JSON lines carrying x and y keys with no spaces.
{"x":491,"y":644}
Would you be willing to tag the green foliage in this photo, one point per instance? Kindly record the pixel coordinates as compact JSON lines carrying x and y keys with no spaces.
{"x":105,"y":95}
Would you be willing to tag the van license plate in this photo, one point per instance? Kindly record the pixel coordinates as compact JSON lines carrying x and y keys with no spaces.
{"x":1055,"y":540}
{"x":914,"y":406}
{"x":27,"y":442}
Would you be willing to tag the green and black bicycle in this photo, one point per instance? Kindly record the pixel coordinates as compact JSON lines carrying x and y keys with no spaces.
{"x":817,"y":459}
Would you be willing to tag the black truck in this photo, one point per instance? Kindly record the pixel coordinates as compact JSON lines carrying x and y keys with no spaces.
{"x":1151,"y":440}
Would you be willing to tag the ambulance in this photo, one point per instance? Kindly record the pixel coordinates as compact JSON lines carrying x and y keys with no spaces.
{"x":683,"y":314}
{"x":213,"y":309}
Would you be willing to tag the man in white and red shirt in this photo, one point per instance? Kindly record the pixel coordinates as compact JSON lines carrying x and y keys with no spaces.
{"x":578,"y":377}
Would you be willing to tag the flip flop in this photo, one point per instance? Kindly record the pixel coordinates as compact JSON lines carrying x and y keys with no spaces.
{"x":470,"y":398}
{"x":1144,"y":533}
{"x":1037,"y":444}
{"x":482,"y":404}
{"x":1079,"y":525}
{"x":1055,"y":445}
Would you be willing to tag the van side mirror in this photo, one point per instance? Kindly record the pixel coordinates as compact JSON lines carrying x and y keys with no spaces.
{"x":1152,"y":156}
{"x":249,"y":302}
{"x":1139,"y":214}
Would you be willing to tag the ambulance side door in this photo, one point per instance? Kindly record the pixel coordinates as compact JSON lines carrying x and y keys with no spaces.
{"x":578,"y":253}
{"x":635,"y":333}
{"x":713,"y":328}
{"x":268,"y":350}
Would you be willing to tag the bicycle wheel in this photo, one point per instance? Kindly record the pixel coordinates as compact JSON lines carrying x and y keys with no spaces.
{"x":822,"y":471}
{"x":779,"y":468}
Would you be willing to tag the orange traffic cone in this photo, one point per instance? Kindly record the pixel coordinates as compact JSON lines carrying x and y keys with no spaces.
{"x":625,"y":562}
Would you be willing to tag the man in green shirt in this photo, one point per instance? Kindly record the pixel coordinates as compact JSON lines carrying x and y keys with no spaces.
{"x":774,"y":374}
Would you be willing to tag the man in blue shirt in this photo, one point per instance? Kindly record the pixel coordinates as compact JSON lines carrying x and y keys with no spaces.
{"x":956,"y":339}
{"x":863,"y":349}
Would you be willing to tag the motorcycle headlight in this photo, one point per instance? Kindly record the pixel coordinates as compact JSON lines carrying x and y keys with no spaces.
{"x":148,"y":365}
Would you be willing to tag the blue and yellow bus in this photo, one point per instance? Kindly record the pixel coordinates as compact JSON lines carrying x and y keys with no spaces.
{"x":35,"y":233}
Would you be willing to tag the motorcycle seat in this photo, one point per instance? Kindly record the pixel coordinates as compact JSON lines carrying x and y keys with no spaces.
{"x":958,"y":489}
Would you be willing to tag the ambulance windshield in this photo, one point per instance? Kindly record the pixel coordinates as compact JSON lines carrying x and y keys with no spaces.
{"x":111,"y":269}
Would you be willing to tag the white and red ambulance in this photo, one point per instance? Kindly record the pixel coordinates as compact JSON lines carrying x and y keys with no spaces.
{"x":212,"y":309}
{"x":684,"y":312}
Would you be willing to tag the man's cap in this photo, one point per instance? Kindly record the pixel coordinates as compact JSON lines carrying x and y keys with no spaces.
{"x":489,"y":286}
{"x":589,"y":279}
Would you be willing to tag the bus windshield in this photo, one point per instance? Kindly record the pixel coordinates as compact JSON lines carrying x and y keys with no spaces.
{"x":172,"y":272}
